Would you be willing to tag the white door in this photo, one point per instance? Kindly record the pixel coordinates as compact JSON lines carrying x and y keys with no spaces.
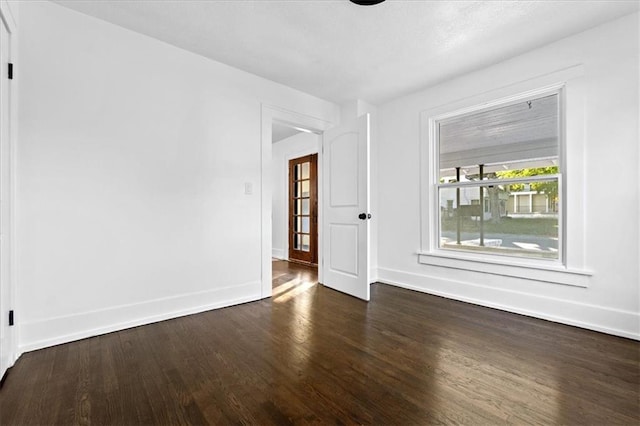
{"x":345,"y":167}
{"x":6,"y":343}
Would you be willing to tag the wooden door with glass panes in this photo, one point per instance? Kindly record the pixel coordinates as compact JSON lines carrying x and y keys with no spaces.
{"x":303,"y":209}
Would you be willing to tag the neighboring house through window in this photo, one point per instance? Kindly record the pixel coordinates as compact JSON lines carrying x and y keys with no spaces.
{"x":502,"y":172}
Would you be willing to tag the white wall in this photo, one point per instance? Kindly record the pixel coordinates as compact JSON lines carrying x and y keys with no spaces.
{"x":609,"y":55}
{"x":131,"y":167}
{"x":293,"y":147}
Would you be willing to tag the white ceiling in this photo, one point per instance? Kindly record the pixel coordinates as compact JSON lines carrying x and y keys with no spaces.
{"x":338,"y":51}
{"x":282,"y":131}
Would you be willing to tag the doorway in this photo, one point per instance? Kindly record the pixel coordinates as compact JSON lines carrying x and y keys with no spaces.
{"x":343,"y":201}
{"x":295,"y":199}
{"x":303,"y":209}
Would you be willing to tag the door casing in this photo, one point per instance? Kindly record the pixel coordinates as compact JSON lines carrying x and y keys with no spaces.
{"x":316,"y":125}
{"x":8,"y":159}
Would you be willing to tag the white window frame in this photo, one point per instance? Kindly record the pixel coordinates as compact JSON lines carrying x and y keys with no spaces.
{"x":569,"y":268}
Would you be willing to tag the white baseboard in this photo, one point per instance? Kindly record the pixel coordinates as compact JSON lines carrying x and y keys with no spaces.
{"x":54,"y":331}
{"x":373,"y":275}
{"x":278,"y":254}
{"x":606,"y":320}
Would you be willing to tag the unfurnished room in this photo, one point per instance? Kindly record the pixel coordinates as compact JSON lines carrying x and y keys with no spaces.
{"x":273,"y":212}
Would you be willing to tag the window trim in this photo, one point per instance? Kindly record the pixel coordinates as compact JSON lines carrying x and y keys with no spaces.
{"x":569,"y":268}
{"x":496,"y":266}
{"x":434,"y":184}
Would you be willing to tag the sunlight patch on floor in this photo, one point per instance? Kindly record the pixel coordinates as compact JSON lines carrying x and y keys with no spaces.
{"x":283,"y":288}
{"x":290,"y":293}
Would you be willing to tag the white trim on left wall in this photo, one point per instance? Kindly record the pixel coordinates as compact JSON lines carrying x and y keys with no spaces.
{"x":43,"y":333}
{"x":9,"y":19}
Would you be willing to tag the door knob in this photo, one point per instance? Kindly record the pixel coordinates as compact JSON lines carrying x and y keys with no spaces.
{"x":363,"y":216}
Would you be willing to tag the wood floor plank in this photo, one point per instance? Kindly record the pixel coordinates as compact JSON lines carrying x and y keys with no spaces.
{"x":311,"y":355}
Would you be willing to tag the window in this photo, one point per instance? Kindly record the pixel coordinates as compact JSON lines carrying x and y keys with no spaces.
{"x":498,"y":188}
{"x":533,"y":168}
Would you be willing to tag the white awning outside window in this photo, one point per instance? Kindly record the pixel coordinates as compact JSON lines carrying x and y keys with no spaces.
{"x":526,"y":133}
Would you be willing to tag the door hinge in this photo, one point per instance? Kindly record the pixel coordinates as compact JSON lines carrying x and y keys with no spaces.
{"x":11,"y":317}
{"x":10,"y":71}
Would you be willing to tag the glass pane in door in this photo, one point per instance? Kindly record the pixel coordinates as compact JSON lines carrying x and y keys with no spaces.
{"x":305,"y":174}
{"x":302,"y":224}
{"x":302,"y":189}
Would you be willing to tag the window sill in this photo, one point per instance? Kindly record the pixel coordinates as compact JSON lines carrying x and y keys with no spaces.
{"x":508,"y":268}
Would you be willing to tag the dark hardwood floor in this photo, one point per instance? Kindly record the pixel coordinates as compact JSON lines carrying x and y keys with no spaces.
{"x":313,"y":355}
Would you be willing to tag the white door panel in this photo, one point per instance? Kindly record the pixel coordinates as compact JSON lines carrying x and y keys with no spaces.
{"x":344,"y":237}
{"x":343,"y":190}
{"x":346,"y":192}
